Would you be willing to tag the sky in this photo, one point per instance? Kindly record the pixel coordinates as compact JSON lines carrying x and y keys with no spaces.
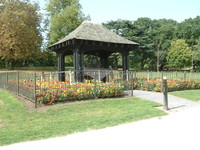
{"x":107,"y":10}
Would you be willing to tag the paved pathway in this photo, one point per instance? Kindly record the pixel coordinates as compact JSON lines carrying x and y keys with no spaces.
{"x":175,"y":103}
{"x":176,"y":131}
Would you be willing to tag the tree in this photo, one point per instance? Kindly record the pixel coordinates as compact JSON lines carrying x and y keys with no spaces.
{"x":180,"y":54}
{"x":64,"y":16}
{"x":20,"y":36}
{"x":142,"y":35}
{"x":162,"y":34}
{"x":154,"y":37}
{"x":189,"y":30}
{"x":137,"y":31}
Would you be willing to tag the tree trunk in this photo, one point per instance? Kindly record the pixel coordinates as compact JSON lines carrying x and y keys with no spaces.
{"x":158,"y":58}
{"x":158,"y":44}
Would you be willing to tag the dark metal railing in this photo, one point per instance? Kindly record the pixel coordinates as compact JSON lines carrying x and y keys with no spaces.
{"x":28,"y":85}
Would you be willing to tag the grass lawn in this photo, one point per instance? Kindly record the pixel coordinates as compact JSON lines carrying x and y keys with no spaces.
{"x":18,"y":124}
{"x":188,"y":94}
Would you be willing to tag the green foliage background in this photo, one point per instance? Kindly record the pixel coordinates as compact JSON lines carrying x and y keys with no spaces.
{"x":154,"y":36}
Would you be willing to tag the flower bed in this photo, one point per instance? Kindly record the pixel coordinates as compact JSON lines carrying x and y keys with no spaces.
{"x":49,"y":93}
{"x":173,"y":85}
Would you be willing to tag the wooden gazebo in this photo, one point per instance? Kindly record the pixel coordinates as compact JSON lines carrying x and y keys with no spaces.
{"x":95,"y":39}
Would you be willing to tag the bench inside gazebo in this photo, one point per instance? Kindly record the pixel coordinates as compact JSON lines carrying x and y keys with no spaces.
{"x":93,"y":39}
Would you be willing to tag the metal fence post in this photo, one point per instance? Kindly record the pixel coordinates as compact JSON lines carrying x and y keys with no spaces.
{"x":35,"y":98}
{"x":127,"y":77}
{"x":18,"y":83}
{"x":95,"y":86}
{"x":184,"y":75}
{"x":165,"y":90}
{"x":132,"y":84}
{"x":99,"y":76}
{"x":50,"y":76}
{"x":6,"y":80}
{"x":148,"y":75}
{"x":70,"y":77}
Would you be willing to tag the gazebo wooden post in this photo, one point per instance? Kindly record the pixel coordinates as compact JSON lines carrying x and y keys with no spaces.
{"x":125,"y":55}
{"x":81,"y":78}
{"x":78,"y":65}
{"x":61,"y":66}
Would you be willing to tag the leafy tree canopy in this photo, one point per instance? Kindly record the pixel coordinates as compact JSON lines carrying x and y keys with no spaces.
{"x":189,"y":30}
{"x":180,"y":54}
{"x":20,"y":36}
{"x":64,"y":16}
{"x":138,"y":31}
{"x":162,"y":33}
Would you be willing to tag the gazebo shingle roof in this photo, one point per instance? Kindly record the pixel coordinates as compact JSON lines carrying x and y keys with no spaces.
{"x":95,"y":32}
